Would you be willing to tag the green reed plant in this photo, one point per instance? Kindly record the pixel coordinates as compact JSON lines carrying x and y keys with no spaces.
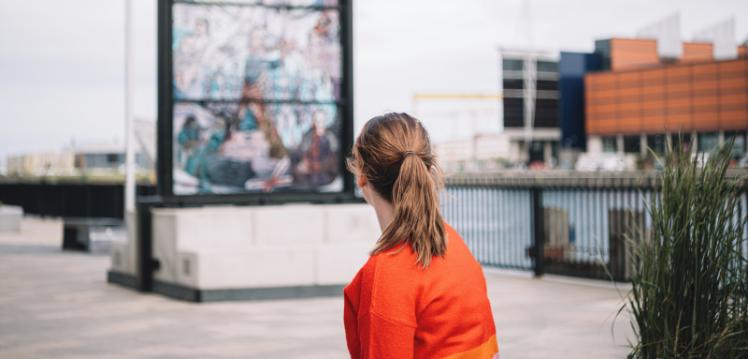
{"x":689,"y":296}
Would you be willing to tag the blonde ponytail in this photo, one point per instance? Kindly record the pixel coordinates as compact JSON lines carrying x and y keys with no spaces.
{"x":394,"y":153}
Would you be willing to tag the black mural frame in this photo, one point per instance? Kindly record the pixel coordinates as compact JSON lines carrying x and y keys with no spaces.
{"x":165,"y":135}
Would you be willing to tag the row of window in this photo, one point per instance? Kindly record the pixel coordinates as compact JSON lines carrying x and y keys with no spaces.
{"x":519,"y":65}
{"x":546,"y":112}
{"x":705,"y":142}
{"x":519,"y":84}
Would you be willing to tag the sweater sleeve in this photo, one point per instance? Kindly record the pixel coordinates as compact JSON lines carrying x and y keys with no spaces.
{"x":370,"y":332}
{"x":351,"y":321}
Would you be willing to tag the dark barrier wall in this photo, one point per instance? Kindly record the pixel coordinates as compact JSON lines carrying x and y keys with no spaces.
{"x":572,"y":68}
{"x":69,"y":199}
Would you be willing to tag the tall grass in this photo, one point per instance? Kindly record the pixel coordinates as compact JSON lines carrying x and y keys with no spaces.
{"x":689,"y":296}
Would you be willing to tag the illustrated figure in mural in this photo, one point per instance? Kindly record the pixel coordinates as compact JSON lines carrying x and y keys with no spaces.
{"x":189,"y":48}
{"x":318,"y":160}
{"x":188,"y":138}
{"x":260,"y":60}
{"x":200,"y":156}
{"x":323,"y":52}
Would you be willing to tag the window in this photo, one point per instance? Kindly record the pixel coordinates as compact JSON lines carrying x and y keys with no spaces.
{"x":708,"y":141}
{"x":513,"y":64}
{"x":657,"y":143}
{"x":610,"y":144}
{"x":682,"y":141}
{"x":632,"y":144}
{"x":112,"y":158}
{"x":513,"y":84}
{"x":554,"y":149}
{"x":514,"y":112}
{"x":738,"y":143}
{"x":546,"y":113}
{"x":547,"y":85}
{"x":547,"y":66}
{"x":93,"y":161}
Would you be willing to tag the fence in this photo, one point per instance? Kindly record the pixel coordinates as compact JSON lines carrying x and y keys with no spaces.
{"x":567,"y":226}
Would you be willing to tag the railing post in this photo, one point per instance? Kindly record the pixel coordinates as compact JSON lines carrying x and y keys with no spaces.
{"x":538,"y":235}
{"x":145,"y":251}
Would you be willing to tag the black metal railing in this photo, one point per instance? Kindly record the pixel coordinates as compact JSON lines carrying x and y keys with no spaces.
{"x":495,"y":222}
{"x":569,"y":226}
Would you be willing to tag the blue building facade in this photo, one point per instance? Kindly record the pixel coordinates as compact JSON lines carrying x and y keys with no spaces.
{"x":572,"y":67}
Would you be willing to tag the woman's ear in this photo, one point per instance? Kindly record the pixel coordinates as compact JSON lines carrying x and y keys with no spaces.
{"x":361,"y":182}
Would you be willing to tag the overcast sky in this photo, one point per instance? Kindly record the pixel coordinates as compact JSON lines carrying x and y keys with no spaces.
{"x":61,"y":62}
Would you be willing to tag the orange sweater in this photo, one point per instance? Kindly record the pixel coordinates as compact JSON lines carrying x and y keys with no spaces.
{"x":396,"y":309}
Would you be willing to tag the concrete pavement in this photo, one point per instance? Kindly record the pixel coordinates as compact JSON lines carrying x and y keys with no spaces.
{"x":58,"y":304}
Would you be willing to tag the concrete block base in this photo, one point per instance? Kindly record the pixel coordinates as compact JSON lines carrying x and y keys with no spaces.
{"x":93,"y":235}
{"x":253,"y":253}
{"x":124,"y":279}
{"x":191,"y":294}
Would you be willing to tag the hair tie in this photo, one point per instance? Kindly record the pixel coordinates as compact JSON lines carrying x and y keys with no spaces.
{"x":405,"y":154}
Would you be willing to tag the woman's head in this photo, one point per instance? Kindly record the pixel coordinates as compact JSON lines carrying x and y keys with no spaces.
{"x":392,"y":157}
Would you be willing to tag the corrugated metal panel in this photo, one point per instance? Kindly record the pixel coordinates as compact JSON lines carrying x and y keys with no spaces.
{"x":684,"y":97}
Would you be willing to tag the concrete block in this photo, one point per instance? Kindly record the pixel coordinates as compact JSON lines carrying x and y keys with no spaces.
{"x":338,"y":263}
{"x":123,"y":248}
{"x":91,"y":234}
{"x":164,"y":235}
{"x":186,"y":269}
{"x":100,"y":240}
{"x":289,"y":225}
{"x":215,"y":228}
{"x":10,"y":218}
{"x":348,"y":223}
{"x":121,"y":260}
{"x":262,"y":247}
{"x":259,"y":268}
{"x":196,"y":230}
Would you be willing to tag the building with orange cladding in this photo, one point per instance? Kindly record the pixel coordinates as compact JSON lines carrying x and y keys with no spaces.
{"x":643,"y":101}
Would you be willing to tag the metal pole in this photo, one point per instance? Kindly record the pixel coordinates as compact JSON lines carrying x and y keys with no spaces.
{"x":129,"y":147}
{"x":538,"y":232}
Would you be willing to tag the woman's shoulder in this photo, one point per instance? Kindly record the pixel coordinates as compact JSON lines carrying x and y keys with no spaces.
{"x":384,"y":267}
{"x":451,"y":232}
{"x":391,"y":264}
{"x":401,"y":260}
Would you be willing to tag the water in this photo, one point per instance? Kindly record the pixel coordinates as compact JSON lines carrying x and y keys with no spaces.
{"x":496,"y":222}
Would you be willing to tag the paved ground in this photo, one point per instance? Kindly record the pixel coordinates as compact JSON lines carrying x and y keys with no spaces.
{"x":58,"y":304}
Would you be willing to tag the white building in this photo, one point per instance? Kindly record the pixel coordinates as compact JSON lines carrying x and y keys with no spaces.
{"x":90,"y":158}
{"x":464,"y":128}
{"x":529,"y":87}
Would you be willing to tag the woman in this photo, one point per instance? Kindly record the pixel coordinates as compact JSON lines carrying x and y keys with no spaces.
{"x":421,"y":294}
